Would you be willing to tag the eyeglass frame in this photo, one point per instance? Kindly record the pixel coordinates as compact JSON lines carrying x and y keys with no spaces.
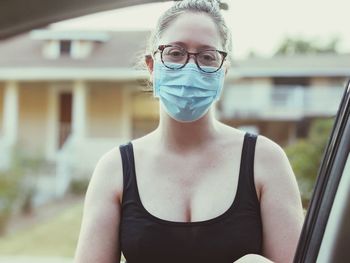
{"x":195,"y":54}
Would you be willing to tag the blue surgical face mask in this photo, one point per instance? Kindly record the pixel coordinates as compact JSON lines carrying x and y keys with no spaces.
{"x":186,"y":93}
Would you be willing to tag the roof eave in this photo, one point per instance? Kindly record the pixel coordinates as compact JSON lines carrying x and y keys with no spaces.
{"x":50,"y":74}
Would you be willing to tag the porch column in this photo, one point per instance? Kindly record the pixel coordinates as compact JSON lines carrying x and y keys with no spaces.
{"x":52,"y":122}
{"x":126,"y":122}
{"x":79,"y":110}
{"x":10,"y":120}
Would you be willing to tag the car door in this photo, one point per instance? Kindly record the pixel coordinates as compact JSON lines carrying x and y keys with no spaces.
{"x":17,"y":16}
{"x":326,"y":232}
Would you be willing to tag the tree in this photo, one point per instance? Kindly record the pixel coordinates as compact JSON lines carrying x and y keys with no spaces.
{"x":293,"y":46}
{"x":306,"y":155}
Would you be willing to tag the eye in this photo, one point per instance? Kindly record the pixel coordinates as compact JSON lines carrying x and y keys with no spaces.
{"x":174,"y":52}
{"x":209,"y":55}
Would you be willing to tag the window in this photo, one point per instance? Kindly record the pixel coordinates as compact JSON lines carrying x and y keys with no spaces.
{"x":65,"y":47}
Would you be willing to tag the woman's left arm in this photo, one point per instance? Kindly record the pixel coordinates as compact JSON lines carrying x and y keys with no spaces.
{"x":280,"y":201}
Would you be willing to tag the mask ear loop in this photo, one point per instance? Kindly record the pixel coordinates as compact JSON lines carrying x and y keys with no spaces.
{"x":221,"y":76}
{"x":156,"y":75}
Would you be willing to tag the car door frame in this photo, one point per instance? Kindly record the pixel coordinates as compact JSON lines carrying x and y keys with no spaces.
{"x":329,"y":176}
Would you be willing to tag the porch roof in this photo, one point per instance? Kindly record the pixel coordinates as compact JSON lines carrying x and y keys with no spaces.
{"x":121,"y":50}
{"x":311,"y":65}
{"x":116,"y":57}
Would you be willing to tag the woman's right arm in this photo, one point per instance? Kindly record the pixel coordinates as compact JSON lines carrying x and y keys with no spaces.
{"x":99,"y":232}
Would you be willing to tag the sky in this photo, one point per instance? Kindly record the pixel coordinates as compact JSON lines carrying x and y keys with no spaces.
{"x":257,"y":26}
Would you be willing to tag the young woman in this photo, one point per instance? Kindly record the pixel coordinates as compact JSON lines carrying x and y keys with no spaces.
{"x":193,"y":190}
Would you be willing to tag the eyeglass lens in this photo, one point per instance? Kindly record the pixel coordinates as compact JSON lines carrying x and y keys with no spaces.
{"x":175,"y":57}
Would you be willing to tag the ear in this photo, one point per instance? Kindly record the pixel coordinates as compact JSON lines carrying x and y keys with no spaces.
{"x":149,"y":63}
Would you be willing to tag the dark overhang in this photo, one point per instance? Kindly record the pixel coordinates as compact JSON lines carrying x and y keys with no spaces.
{"x":17,"y":16}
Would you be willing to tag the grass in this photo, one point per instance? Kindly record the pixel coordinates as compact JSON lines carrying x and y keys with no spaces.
{"x":57,"y":237}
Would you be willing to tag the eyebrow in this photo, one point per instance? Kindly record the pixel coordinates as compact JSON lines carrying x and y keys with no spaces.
{"x":182,"y":44}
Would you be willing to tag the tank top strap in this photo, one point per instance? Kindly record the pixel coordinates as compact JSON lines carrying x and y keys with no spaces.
{"x":129,"y":183}
{"x":246,"y":185}
{"x":245,"y":190}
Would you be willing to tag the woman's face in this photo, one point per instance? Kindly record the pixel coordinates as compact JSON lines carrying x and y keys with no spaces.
{"x":192,"y":31}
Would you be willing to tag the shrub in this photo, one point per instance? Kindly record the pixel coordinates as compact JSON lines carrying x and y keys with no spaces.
{"x":16,"y":185}
{"x":306,"y":155}
{"x":79,"y":186}
{"x":9,"y":191}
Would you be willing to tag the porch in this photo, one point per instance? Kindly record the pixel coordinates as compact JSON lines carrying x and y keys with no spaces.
{"x":69,"y":124}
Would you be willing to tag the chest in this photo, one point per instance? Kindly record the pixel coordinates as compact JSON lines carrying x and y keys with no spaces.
{"x":190,"y":209}
{"x":188,"y":188}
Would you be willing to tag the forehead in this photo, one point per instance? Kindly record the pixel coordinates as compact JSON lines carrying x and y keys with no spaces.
{"x":194,"y":30}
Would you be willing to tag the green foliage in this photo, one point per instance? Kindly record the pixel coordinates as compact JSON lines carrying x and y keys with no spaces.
{"x":9,"y":191}
{"x":306,"y":155}
{"x":79,"y":186}
{"x":292,"y":46}
{"x":14,"y":187}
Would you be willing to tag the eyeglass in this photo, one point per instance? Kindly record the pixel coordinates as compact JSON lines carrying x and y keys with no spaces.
{"x":175,"y":57}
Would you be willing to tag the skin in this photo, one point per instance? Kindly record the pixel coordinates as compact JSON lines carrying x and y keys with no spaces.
{"x":177,"y":179}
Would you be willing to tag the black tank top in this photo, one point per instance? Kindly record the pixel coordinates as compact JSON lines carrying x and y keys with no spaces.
{"x":238,"y":231}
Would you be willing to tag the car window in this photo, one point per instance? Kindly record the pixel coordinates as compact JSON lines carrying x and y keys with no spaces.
{"x":335,"y":226}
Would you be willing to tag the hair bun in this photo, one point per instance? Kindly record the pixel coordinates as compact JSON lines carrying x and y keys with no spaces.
{"x":216,"y":4}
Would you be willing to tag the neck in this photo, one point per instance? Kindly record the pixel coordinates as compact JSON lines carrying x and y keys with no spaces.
{"x":180,"y":137}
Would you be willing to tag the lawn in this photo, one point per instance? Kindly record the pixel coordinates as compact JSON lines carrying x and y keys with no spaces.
{"x":56,"y":237}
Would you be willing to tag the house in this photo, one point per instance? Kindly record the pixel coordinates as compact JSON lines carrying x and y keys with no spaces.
{"x":68,"y":97}
{"x":280,"y":96}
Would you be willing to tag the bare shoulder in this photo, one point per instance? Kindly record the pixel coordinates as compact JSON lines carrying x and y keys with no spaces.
{"x":275,"y":175}
{"x":230,"y":135}
{"x":270,"y":160}
{"x":107,"y":178}
{"x":280,"y":202}
{"x":267,"y":149}
{"x":97,"y":243}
